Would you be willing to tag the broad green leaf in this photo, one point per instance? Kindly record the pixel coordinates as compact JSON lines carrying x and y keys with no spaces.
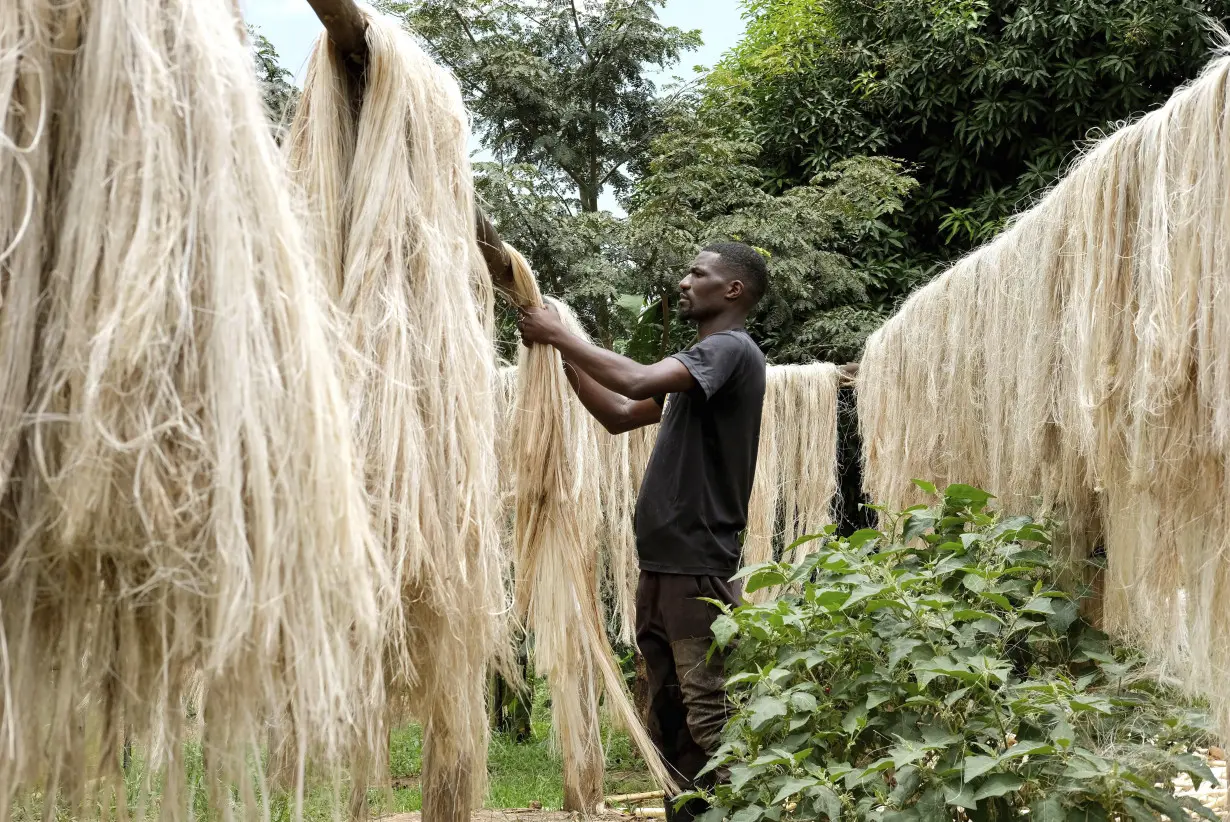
{"x":861,"y":593}
{"x":803,"y":701}
{"x":999,"y":599}
{"x":1193,"y":804}
{"x":952,"y":698}
{"x":831,"y":600}
{"x":975,"y":582}
{"x":877,"y":698}
{"x":792,"y":786}
{"x":773,"y":757}
{"x":926,"y":486}
{"x":951,"y":564}
{"x":740,"y":775}
{"x":764,"y":578}
{"x":1139,"y":812}
{"x":907,"y":815}
{"x":1050,"y":809}
{"x":1027,"y":748}
{"x":1039,"y":605}
{"x":826,"y":803}
{"x":1197,"y":768}
{"x":803,"y":540}
{"x":752,"y":813}
{"x":724,"y":630}
{"x":976,"y":766}
{"x":909,"y":778}
{"x":961,"y":495}
{"x":960,"y":796}
{"x":764,"y":710}
{"x":748,"y":570}
{"x":969,"y":615}
{"x":998,"y":785}
{"x":851,"y":722}
{"x":916,"y":525}
{"x":861,"y":537}
{"x":902,"y":648}
{"x":1088,"y":702}
{"x":906,"y":753}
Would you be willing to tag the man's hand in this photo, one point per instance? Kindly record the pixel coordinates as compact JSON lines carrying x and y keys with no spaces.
{"x":541,"y":325}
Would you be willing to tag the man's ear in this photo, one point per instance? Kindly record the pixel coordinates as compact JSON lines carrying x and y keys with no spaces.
{"x":734,"y":290}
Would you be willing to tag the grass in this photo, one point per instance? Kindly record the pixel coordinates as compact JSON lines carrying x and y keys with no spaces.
{"x":518,"y":774}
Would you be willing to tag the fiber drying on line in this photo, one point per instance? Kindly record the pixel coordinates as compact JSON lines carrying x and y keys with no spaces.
{"x":1080,"y":364}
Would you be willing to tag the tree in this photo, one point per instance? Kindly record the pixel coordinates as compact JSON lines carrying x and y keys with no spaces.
{"x":984,"y":100}
{"x":703,"y":186}
{"x":560,"y":85}
{"x":281,"y":95}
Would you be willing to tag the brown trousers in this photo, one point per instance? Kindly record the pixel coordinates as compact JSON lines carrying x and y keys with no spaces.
{"x":686,"y":693}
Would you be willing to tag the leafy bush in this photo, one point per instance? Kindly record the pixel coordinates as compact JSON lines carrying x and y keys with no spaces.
{"x":933,"y":672}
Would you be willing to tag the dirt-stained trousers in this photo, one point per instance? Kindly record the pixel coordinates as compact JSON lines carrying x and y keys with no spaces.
{"x":687,"y":700}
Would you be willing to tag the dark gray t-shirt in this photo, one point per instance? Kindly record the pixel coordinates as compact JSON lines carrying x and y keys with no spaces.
{"x":693,"y":500}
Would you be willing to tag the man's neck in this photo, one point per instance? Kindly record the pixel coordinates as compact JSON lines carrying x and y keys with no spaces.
{"x":722,"y":322}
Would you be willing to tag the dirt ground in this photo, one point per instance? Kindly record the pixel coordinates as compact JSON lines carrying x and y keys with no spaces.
{"x":519,"y":815}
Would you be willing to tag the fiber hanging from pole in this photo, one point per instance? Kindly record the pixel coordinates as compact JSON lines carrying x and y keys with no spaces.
{"x":1080,"y":364}
{"x":182,"y":516}
{"x":386,"y":173}
{"x":555,"y":456}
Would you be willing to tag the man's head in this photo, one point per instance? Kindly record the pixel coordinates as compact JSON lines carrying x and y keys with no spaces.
{"x":724,"y":277}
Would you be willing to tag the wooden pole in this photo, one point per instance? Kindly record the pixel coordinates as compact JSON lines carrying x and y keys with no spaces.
{"x":346,"y":26}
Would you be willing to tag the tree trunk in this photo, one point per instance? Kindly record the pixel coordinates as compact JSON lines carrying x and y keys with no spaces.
{"x":589,"y":198}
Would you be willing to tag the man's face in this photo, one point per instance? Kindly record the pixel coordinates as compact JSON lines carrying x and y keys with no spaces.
{"x":705,"y":291}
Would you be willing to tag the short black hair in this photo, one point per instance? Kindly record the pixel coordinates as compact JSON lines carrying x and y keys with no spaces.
{"x":747,"y":264}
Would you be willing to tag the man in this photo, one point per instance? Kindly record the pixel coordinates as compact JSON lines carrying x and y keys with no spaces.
{"x":693,"y":500}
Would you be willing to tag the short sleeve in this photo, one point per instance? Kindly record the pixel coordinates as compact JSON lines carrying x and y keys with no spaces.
{"x":714,"y":359}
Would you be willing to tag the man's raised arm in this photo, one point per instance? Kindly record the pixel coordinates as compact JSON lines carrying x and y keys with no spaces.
{"x":624,"y":376}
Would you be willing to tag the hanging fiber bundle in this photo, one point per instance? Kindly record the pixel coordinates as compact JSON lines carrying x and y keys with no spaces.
{"x":181,"y":504}
{"x":555,"y":455}
{"x":1080,"y":365}
{"x":795,"y":488}
{"x":386,"y":174}
{"x":806,"y":422}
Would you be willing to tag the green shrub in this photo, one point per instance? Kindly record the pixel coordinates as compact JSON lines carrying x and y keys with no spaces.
{"x":933,"y":672}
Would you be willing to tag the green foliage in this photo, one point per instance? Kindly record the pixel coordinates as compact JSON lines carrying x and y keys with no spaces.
{"x":560,"y":85}
{"x":984,"y":100}
{"x":281,"y":95}
{"x":702,"y":186}
{"x":562,"y":99}
{"x":934,"y":667}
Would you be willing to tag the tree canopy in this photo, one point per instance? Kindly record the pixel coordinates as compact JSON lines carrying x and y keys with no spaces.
{"x":281,"y":95}
{"x":984,"y":100}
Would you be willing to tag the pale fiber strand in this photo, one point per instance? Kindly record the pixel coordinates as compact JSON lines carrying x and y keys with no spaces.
{"x":1080,"y":365}
{"x":555,"y":455}
{"x":187,"y":516}
{"x":794,"y":492}
{"x":387,"y":177}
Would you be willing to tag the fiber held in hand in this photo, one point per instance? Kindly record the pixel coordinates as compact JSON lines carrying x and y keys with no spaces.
{"x":1080,"y":364}
{"x":387,"y":177}
{"x":181,"y":503}
{"x":555,"y":557}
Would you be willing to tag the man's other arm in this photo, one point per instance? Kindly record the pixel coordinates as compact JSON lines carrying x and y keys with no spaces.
{"x":617,"y":414}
